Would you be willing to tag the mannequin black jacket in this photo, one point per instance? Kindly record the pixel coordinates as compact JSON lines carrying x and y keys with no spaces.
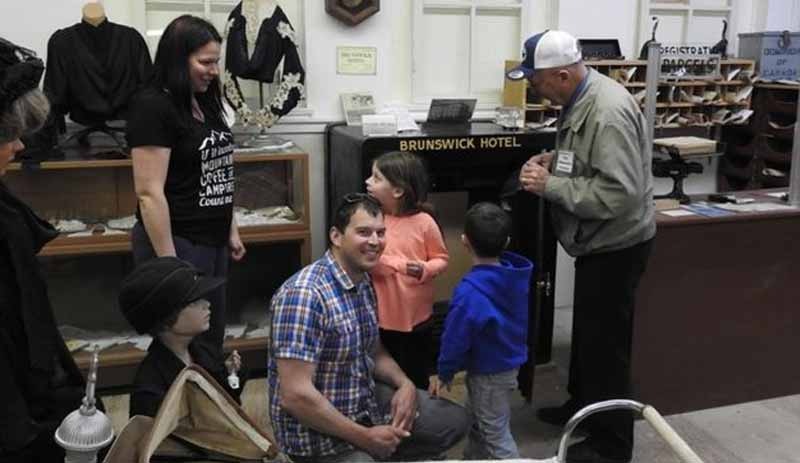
{"x":39,"y":381}
{"x":92,"y":71}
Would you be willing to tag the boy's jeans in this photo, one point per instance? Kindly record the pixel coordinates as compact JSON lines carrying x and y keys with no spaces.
{"x":488,"y":405}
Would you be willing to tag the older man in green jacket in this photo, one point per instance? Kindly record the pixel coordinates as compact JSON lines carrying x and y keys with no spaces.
{"x":600,"y":187}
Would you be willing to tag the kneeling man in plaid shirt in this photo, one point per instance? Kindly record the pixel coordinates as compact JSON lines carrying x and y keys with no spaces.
{"x":336,"y":394}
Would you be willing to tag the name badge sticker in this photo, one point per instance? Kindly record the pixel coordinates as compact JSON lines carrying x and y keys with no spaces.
{"x":565,"y":161}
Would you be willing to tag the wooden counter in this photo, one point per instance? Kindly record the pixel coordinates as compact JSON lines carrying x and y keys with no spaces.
{"x":718,"y":311}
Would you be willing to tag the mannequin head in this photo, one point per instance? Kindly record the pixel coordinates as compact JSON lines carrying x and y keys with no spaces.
{"x":167,"y":294}
{"x":93,"y":13}
{"x":186,"y":63}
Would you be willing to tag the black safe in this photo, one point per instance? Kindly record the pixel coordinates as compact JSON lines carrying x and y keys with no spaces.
{"x":483,"y":160}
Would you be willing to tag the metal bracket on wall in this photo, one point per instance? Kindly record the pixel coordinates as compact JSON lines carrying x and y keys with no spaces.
{"x":546,"y":284}
{"x":651,"y":90}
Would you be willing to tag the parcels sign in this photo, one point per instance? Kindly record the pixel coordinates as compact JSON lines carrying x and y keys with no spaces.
{"x":689,"y":62}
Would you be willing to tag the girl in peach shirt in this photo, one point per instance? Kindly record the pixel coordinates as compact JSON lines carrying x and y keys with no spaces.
{"x":415,"y":253}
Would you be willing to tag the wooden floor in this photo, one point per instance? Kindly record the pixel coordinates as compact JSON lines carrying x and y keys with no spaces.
{"x":757,"y":432}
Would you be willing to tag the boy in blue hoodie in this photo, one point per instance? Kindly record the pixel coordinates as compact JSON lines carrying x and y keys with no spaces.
{"x":486,"y":332}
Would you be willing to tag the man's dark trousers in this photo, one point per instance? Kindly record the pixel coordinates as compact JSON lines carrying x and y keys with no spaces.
{"x":602,"y":332}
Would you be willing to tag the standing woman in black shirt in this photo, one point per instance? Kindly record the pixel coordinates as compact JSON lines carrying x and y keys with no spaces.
{"x":182,"y":152}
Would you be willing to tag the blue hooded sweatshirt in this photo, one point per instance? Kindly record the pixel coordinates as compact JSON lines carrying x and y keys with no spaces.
{"x":486,"y":330}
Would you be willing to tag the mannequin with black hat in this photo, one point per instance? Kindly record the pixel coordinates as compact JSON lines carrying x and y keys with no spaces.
{"x":166,"y":298}
{"x":39,"y":381}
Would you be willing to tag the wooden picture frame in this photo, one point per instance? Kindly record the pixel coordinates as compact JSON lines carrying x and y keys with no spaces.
{"x":352,"y":12}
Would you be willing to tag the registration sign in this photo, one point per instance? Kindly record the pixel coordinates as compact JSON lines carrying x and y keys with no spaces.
{"x":689,"y":62}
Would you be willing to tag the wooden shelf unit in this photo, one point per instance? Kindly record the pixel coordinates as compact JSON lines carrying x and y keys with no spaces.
{"x":515,"y":93}
{"x":126,"y":355}
{"x":759,"y":154}
{"x":103,"y":189}
{"x":102,"y":244}
{"x":239,"y":157}
{"x":84,"y":245}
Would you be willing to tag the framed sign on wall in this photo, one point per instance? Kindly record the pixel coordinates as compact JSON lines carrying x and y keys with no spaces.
{"x":352,"y":12}
{"x":356,"y":60}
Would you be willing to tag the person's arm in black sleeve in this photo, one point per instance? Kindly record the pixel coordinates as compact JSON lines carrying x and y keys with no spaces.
{"x":144,"y":65}
{"x":56,"y":83}
{"x":151,"y":133}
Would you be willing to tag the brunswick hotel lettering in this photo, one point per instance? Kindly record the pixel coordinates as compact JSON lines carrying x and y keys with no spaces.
{"x":464,"y":143}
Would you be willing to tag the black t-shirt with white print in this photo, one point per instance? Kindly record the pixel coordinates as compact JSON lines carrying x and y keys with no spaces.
{"x":200,"y":178}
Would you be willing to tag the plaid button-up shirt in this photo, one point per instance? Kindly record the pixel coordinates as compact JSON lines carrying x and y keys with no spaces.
{"x":320,"y":316}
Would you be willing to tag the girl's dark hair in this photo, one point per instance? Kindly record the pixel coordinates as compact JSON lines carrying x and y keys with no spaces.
{"x":406,"y":171}
{"x":182,"y":37}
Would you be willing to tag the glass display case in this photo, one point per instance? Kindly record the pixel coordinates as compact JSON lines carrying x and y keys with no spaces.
{"x":93,"y":203}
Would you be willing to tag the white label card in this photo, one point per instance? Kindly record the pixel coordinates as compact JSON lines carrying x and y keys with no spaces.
{"x":564,"y":162}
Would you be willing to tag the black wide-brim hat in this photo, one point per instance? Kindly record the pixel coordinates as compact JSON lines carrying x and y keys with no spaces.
{"x":159,"y":288}
{"x":20,"y":72}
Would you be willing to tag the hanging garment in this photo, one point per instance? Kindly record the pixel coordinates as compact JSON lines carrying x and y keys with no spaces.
{"x":255,"y":52}
{"x":92,"y":72}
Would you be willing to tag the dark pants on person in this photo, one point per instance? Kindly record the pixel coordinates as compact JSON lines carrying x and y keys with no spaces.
{"x":602,"y":332}
{"x":211,"y":260}
{"x":413,"y":351}
{"x":440,"y":425}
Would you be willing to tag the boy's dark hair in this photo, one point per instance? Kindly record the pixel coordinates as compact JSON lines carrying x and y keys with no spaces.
{"x":348,"y":206}
{"x":487,"y":228}
{"x":182,"y":37}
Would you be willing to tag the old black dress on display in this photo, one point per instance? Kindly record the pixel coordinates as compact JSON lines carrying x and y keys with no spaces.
{"x":275,"y":42}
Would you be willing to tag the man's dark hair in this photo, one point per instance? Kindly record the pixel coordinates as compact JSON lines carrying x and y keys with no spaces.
{"x":487,"y":228}
{"x":350,"y":204}
{"x":182,"y":37}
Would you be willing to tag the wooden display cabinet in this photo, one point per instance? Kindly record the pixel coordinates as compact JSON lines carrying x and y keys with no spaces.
{"x":759,"y":154}
{"x":84,"y":272}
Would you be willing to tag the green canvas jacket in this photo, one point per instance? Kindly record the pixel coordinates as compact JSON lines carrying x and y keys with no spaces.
{"x":606,"y":203}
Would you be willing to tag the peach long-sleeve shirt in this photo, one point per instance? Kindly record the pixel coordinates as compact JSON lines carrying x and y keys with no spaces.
{"x":405,"y":301}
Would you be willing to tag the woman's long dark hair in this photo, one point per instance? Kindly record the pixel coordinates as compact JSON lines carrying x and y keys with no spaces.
{"x":182,"y":37}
